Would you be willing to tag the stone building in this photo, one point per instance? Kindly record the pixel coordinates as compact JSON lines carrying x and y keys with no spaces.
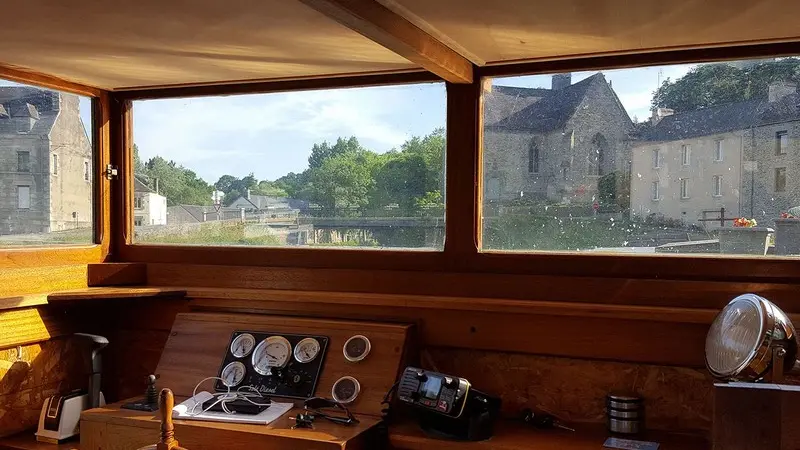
{"x":45,"y":162}
{"x":149,"y":207}
{"x":553,"y":144}
{"x":741,"y":156}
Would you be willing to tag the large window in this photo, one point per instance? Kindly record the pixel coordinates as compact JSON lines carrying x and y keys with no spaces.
{"x":360,"y":167}
{"x":642,"y":160}
{"x":45,"y":137}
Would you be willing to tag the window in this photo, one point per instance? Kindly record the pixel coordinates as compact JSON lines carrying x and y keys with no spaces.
{"x":23,"y":197}
{"x":685,"y":154}
{"x":137,"y":221}
{"x":781,"y":142}
{"x":662,"y":184}
{"x":533,"y":159}
{"x":360,"y":167}
{"x":718,"y":150}
{"x":780,"y":179}
{"x":138,"y":202}
{"x":23,"y":161}
{"x":44,"y":203}
{"x":87,"y":170}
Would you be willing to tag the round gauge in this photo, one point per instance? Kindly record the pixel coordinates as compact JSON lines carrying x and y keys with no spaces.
{"x":345,"y":390}
{"x":242,"y":345}
{"x":306,"y":350}
{"x":233,"y":374}
{"x":356,"y":348}
{"x":273,"y":351}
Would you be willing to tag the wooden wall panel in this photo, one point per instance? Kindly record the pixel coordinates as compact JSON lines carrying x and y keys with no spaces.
{"x":620,"y":291}
{"x":117,"y":274}
{"x":676,"y":398}
{"x":20,"y":281}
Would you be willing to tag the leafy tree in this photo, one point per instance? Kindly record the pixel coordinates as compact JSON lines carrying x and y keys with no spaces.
{"x":177,"y":183}
{"x":714,"y":84}
{"x":341,"y":184}
{"x":236,"y":187}
{"x":292,"y":183}
{"x":270,"y":189}
{"x":324,"y":151}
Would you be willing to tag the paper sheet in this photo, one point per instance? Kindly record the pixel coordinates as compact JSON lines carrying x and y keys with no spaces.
{"x":186,"y":410}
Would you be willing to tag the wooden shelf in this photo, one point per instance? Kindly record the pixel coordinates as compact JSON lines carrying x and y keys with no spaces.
{"x":509,"y":436}
{"x":27,"y":441}
{"x":114,"y":293}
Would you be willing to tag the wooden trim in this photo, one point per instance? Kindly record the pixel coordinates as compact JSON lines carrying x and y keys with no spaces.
{"x":110,"y":293}
{"x":116,"y":274}
{"x":34,"y":78}
{"x":122,"y":189}
{"x":393,"y":31}
{"x":49,"y":256}
{"x":642,"y":58}
{"x":276,"y":85}
{"x":464,"y":118}
{"x":101,"y":116}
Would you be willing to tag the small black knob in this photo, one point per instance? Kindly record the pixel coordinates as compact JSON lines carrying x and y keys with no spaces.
{"x":421,"y":376}
{"x":449,"y":382}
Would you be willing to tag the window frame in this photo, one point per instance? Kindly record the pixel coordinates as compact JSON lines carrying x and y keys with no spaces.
{"x":54,"y":164}
{"x":656,"y":158}
{"x":719,"y":151}
{"x":463,"y":192}
{"x":686,"y":155}
{"x":655,"y":191}
{"x":97,"y":251}
{"x":23,"y":155}
{"x":782,"y":171}
{"x":684,"y":187}
{"x":716,"y":189}
{"x":779,"y":148}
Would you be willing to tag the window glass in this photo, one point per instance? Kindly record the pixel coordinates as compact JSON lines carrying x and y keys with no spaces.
{"x":644,"y":160}
{"x":360,"y":167}
{"x":45,"y":137}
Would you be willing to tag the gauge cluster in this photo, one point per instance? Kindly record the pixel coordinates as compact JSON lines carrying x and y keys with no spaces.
{"x":277,"y":364}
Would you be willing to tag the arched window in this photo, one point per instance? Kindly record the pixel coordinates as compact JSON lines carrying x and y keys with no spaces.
{"x":600,"y":147}
{"x":533,"y":159}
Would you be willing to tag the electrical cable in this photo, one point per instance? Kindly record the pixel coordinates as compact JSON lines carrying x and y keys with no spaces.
{"x":223,"y":398}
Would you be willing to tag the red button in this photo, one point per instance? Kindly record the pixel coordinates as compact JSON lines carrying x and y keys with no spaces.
{"x":443,"y":405}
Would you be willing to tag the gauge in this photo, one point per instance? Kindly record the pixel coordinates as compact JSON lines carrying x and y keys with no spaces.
{"x":242,"y":345}
{"x":273,"y":351}
{"x":345,"y":390}
{"x":356,"y":348}
{"x":233,"y":374}
{"x":306,"y":350}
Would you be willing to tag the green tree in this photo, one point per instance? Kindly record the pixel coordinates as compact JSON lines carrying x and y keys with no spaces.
{"x":236,"y":187}
{"x":714,"y":84}
{"x":324,"y":151}
{"x":177,"y":183}
{"x":342,"y":183}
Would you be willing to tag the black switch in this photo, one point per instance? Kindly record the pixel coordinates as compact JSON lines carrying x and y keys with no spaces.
{"x":421,"y":376}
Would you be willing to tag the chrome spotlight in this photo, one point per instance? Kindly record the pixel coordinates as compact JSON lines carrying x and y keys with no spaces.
{"x":751,"y":339}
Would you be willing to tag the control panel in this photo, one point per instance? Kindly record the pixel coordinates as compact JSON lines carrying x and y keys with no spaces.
{"x":275,"y":364}
{"x":434,"y":391}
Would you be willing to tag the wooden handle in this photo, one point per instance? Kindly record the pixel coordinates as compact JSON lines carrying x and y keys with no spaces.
{"x":166,"y":401}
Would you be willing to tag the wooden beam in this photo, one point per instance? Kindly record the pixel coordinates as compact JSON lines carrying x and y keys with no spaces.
{"x":378,"y":23}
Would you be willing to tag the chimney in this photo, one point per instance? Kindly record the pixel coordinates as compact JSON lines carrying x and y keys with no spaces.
{"x":248,"y":194}
{"x":659,"y":114}
{"x":781,"y":89}
{"x":561,"y":80}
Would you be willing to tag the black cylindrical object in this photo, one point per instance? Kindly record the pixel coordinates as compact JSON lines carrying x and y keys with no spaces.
{"x":625,"y":413}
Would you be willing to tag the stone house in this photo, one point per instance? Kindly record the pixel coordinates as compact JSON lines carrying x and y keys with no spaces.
{"x":741,"y":156}
{"x":270,"y":207}
{"x":553,"y":144}
{"x":149,"y":207}
{"x":45,"y":162}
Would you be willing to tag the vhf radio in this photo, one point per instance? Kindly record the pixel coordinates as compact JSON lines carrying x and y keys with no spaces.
{"x":449,"y":406}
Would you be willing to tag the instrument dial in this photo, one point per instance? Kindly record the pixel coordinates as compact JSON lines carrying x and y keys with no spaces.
{"x":272,"y":352}
{"x":233,"y":374}
{"x":346,"y":390}
{"x":306,"y":350}
{"x":356,"y":348}
{"x":242,"y":345}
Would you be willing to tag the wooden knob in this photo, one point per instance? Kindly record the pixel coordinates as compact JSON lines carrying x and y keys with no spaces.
{"x":166,"y":401}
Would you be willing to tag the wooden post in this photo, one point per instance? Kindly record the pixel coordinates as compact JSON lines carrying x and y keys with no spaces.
{"x":756,"y":416}
{"x":166,"y":401}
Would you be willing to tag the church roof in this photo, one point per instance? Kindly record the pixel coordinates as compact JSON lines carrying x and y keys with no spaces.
{"x":724,"y":119}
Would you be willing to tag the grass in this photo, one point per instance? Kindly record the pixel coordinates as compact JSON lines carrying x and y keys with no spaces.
{"x":232,"y":234}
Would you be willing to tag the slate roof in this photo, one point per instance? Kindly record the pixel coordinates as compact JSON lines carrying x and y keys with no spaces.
{"x":723,"y":119}
{"x":40,"y":104}
{"x":263,"y":202}
{"x":550,"y":112}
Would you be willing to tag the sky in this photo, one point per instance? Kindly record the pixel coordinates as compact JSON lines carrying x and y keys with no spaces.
{"x":271,"y":135}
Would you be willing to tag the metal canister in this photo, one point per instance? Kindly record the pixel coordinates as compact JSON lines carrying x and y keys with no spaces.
{"x":625,"y":413}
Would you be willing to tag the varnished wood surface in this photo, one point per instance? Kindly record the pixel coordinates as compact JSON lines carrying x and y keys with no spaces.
{"x":19,"y":281}
{"x":198,"y":342}
{"x":110,"y":293}
{"x":509,"y":436}
{"x":751,"y":416}
{"x":21,"y":75}
{"x":31,"y":325}
{"x":101,"y":124}
{"x":111,"y":428}
{"x":27,"y":441}
{"x":116,"y":274}
{"x":380,"y":24}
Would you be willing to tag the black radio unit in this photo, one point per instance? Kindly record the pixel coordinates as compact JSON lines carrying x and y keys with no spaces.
{"x":449,"y":406}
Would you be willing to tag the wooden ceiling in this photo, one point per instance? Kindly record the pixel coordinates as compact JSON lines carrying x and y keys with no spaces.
{"x":124,"y":45}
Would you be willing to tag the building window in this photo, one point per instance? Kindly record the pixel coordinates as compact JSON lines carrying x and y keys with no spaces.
{"x":564,"y":173}
{"x":684,"y":188}
{"x":137,"y":221}
{"x":138,"y":202}
{"x":781,"y":142}
{"x":656,"y":158}
{"x":718,"y":150}
{"x":86,"y":170}
{"x":533,"y":159}
{"x":23,"y":197}
{"x":654,"y":192}
{"x":685,"y":154}
{"x":780,"y":179}
{"x":717,"y":188}
{"x":55,"y":164}
{"x":23,"y":161}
